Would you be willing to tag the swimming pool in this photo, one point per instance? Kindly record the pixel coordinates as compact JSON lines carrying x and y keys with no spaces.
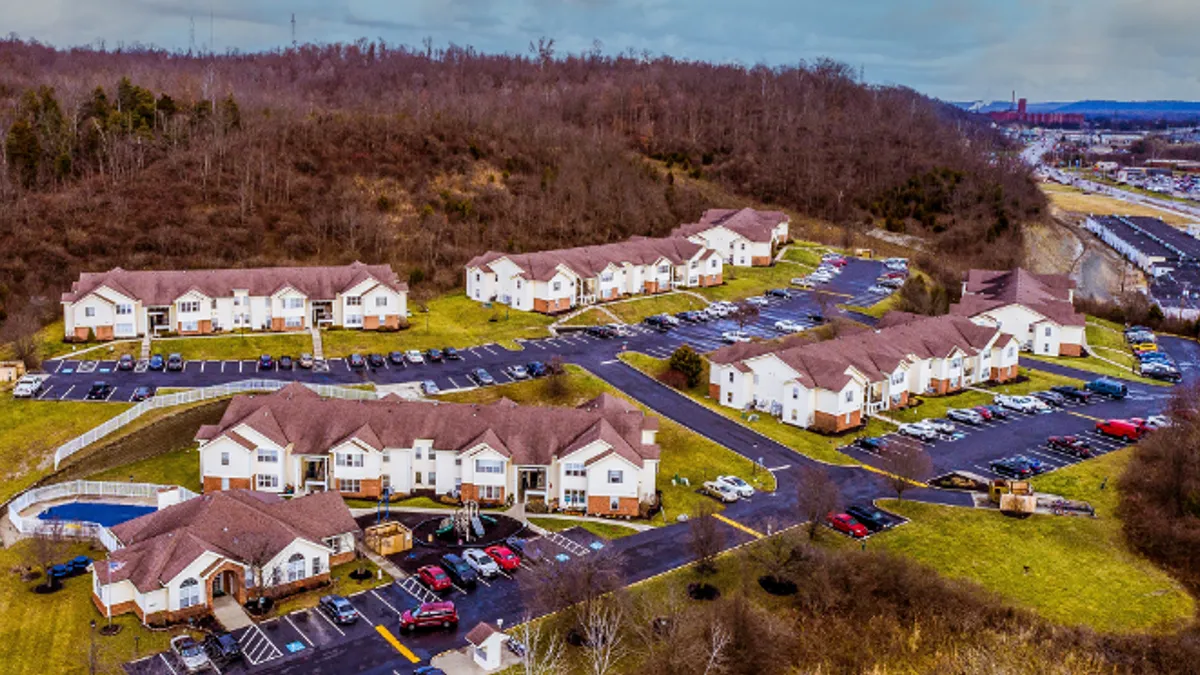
{"x":96,"y":512}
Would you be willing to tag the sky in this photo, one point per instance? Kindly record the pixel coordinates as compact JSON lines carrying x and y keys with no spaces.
{"x":959,"y":50}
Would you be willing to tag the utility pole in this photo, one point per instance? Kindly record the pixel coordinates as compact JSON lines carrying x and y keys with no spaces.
{"x":293,"y":29}
{"x":192,"y":36}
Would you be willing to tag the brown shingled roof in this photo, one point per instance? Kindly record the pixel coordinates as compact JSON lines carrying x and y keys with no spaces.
{"x":1046,"y":294}
{"x":590,"y":261}
{"x":481,"y":632}
{"x":752,"y":224}
{"x":163,"y":287}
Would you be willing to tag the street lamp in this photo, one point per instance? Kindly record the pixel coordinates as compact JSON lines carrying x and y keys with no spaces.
{"x":92,"y":649}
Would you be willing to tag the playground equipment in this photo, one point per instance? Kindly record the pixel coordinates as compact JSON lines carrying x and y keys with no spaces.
{"x":465,"y":524}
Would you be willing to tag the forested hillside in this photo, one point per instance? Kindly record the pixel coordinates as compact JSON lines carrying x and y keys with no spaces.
{"x":425,"y":157}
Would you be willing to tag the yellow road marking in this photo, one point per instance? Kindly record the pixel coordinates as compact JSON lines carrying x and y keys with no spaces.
{"x":754,"y":533}
{"x":1086,"y":417}
{"x":840,"y":295}
{"x":915,"y":483}
{"x":387,"y":635}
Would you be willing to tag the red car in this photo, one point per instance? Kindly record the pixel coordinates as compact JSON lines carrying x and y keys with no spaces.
{"x":504,"y":557}
{"x":430,"y":615}
{"x":984,"y":412}
{"x":846,"y":524}
{"x":434,"y":577}
{"x":1130,"y":430}
{"x":837,"y":262}
{"x":1070,"y":445}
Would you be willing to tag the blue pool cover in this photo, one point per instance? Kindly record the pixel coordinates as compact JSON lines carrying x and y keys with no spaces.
{"x":96,"y":512}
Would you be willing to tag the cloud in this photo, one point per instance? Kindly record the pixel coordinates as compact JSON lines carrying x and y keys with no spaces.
{"x":954,"y":49}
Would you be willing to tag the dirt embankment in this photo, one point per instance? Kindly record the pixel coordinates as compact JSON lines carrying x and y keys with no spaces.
{"x":1062,"y":246}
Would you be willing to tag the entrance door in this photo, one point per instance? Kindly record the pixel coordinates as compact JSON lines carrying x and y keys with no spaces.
{"x":219,"y":585}
{"x":224,"y":483}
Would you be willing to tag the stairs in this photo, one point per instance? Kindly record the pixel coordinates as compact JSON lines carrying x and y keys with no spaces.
{"x":318,"y":349}
{"x":146,"y":347}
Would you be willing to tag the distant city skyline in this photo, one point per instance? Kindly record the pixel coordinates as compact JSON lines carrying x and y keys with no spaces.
{"x":958,"y":50}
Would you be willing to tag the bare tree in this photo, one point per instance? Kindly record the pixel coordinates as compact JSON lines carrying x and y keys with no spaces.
{"x":22,"y":332}
{"x":543,"y":654}
{"x":779,"y":556}
{"x":719,"y":638}
{"x":256,"y":552}
{"x":906,"y":466}
{"x":817,"y":496}
{"x":602,"y":628}
{"x":47,"y":548}
{"x":705,"y":537}
{"x":557,"y":385}
{"x":744,"y":314}
{"x":573,"y":588}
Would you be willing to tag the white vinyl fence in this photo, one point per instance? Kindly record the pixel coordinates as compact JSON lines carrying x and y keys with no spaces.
{"x":91,"y":436}
{"x":80,"y":488}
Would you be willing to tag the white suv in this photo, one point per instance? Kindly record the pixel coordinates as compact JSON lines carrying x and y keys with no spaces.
{"x":29,"y":386}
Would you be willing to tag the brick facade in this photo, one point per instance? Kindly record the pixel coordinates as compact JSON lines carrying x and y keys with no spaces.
{"x":469,"y":492}
{"x":104,"y":332}
{"x":367,"y":488}
{"x":714,"y":391}
{"x":651,"y":287}
{"x":551,"y":306}
{"x":213,"y":483}
{"x":392,"y":321}
{"x":1004,"y":374}
{"x":602,"y":506}
{"x":370,"y":322}
{"x":1070,"y":350}
{"x":832,"y":424}
{"x":760,"y":261}
{"x":710,"y":280}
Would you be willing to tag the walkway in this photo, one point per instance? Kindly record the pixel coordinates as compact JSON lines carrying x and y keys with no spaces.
{"x":230,"y":614}
{"x":317,"y":347}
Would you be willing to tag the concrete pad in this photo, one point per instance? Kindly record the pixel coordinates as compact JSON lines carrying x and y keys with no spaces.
{"x":230,"y":614}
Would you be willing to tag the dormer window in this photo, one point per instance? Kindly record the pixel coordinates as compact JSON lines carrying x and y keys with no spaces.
{"x":353,"y":300}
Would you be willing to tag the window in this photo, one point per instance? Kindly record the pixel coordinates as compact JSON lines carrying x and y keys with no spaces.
{"x":124,"y":329}
{"x":418,"y":453}
{"x":558,"y":285}
{"x":124,"y":309}
{"x":518,"y":284}
{"x":354,"y":319}
{"x":1047,"y":331}
{"x":385,"y":484}
{"x":268,"y":455}
{"x":956,"y":363}
{"x":351,"y":459}
{"x":316,"y":566}
{"x":381,"y":301}
{"x":795,"y":392}
{"x":987,"y":354}
{"x":418,"y":478}
{"x":572,"y":469}
{"x":432,"y":478}
{"x":237,"y":301}
{"x":729,"y":397}
{"x":491,"y":492}
{"x":189,"y":326}
{"x":353,"y":300}
{"x":293,"y":303}
{"x":616,"y":476}
{"x":89,"y":312}
{"x":898,"y":378}
{"x":458,"y":461}
{"x":224,"y":459}
{"x":276,"y":576}
{"x":249,"y":578}
{"x":477,"y":277}
{"x":293,"y":321}
{"x":663,"y":269}
{"x":267,"y":481}
{"x":849,"y":395}
{"x":214,"y":303}
{"x":1011,"y":351}
{"x":714,"y":264}
{"x":795,"y":415}
{"x":614,"y":503}
{"x":387,"y":456}
{"x":743,"y":246}
{"x":189,"y":593}
{"x":607,"y":276}
{"x":189,"y":306}
{"x":731,"y":377}
{"x":334,"y":544}
{"x":348,"y":485}
{"x":574,"y":498}
{"x":489,"y":466}
{"x":295,"y":567}
{"x":695,"y":264}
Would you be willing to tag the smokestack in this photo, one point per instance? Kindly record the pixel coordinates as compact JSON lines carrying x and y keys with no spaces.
{"x":1021,"y":107}
{"x":1013,"y":106}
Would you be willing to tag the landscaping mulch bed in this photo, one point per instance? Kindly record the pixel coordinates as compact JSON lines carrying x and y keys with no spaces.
{"x":777,"y":586}
{"x":703,"y":592}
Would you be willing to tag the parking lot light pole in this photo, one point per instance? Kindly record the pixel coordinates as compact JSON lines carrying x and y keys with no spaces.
{"x":92,"y":649}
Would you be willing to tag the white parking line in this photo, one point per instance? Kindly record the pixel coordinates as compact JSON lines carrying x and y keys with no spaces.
{"x":66,"y":393}
{"x":360,"y":613}
{"x":168,"y":664}
{"x":110,"y":393}
{"x":240,"y":366}
{"x":321,"y":614}
{"x":381,"y":599}
{"x":45,"y":391}
{"x":453,"y":384}
{"x":288,"y":618}
{"x":60,"y":365}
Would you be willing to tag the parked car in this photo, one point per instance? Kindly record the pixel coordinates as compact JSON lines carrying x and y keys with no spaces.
{"x":156,"y":362}
{"x":605,"y":332}
{"x":481,"y":377}
{"x":430,"y":615}
{"x":692,"y":316}
{"x":870,"y":517}
{"x":1071,"y":445}
{"x":504,"y":557}
{"x":1127,"y":429}
{"x":481,"y":562}
{"x":1035,"y":465}
{"x":429,"y":388}
{"x":721,"y":491}
{"x":517,"y":372}
{"x":1010,"y":469}
{"x":356,"y":362}
{"x":142,"y":392}
{"x":919,"y":430}
{"x":285,"y":363}
{"x":451,"y":354}
{"x":536,"y":368}
{"x":266,"y":362}
{"x":434,"y":577}
{"x":733,"y":336}
{"x":879,"y":290}
{"x":965,"y":415}
{"x":1158,"y":421}
{"x":802,"y":283}
{"x":125,"y":362}
{"x":816,"y":316}
{"x":669,"y":320}
{"x":846,"y":524}
{"x":985,"y":412}
{"x":1073,"y":393}
{"x":396,"y":358}
{"x":222,"y":648}
{"x":779,"y":293}
{"x":433,"y":355}
{"x":306,"y":361}
{"x":414,"y":356}
{"x":941,"y":426}
{"x":99,"y":391}
{"x":1106,"y":387}
{"x":739,"y":486}
{"x":29,"y":385}
{"x":339,"y":609}
{"x":1050,"y":397}
{"x":998,"y":411}
{"x":891,"y":283}
{"x":788,"y":326}
{"x":871,"y":443}
{"x":1160,"y":371}
{"x":657,"y":321}
{"x":1023,"y":404}
{"x":1144,"y":347}
{"x":460,"y":572}
{"x":190,"y":653}
{"x":175,"y":362}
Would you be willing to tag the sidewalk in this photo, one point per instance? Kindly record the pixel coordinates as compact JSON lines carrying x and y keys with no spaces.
{"x":230,"y":614}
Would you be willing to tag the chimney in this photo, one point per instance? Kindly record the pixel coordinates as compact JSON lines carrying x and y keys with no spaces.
{"x":1021,"y":106}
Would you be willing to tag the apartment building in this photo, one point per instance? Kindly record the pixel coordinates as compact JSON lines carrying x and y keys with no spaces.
{"x":127,"y":304}
{"x":556,"y":281}
{"x":835,"y":385}
{"x":172,"y":563}
{"x":743,"y":237}
{"x":1037,"y":309}
{"x":600,"y":458}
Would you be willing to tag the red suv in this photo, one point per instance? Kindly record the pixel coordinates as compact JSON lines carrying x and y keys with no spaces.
{"x":504,"y":557}
{"x":1130,"y":430}
{"x":845,"y":523}
{"x":430,"y":615}
{"x":434,"y":577}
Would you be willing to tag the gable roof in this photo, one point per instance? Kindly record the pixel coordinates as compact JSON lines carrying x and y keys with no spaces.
{"x":162,"y":287}
{"x":1046,"y":294}
{"x":242,"y":525}
{"x":758,"y":226}
{"x":875,"y":354}
{"x":590,"y":261}
{"x":531,"y":435}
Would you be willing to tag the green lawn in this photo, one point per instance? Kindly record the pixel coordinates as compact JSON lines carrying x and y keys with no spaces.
{"x":341,"y":584}
{"x":634,"y":311}
{"x":235,"y":346}
{"x":877,"y":310}
{"x":606,"y":530}
{"x":589,"y":317}
{"x":743,"y":282}
{"x":33,"y":429}
{"x":41,"y":634}
{"x":178,"y":467}
{"x":1107,"y":339}
{"x":452,"y":321}
{"x":1079,"y":569}
{"x":1094,"y":365}
{"x":50,"y":338}
{"x":684,"y":453}
{"x":805,"y":254}
{"x":936,"y":406}
{"x":819,"y":447}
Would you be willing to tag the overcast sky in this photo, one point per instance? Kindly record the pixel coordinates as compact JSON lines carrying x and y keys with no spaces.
{"x":955,"y":49}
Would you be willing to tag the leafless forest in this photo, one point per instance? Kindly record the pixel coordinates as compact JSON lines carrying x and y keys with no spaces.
{"x":423,"y":157}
